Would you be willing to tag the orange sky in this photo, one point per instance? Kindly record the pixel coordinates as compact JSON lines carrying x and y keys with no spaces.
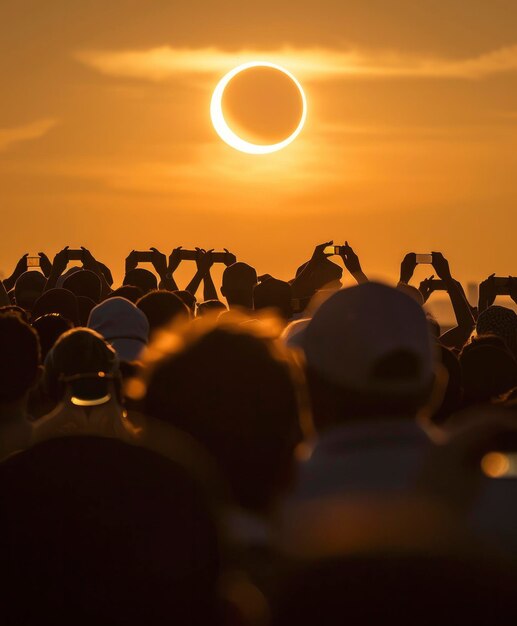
{"x":410,"y":141}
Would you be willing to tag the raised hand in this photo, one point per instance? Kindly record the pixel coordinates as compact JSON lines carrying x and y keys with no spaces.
{"x":60,"y":262}
{"x":159,"y":261}
{"x":350,"y":259}
{"x":441,"y":265}
{"x":204,"y":260}
{"x":319,"y":254}
{"x":487,"y":293}
{"x":131,"y":261}
{"x":229,"y":258}
{"x":425,"y":287}
{"x":174,"y":259}
{"x":407,"y":267}
{"x":45,"y":264}
{"x":21,"y":266}
{"x":89,"y":262}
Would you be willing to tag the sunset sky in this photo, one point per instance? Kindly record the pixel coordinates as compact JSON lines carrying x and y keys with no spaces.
{"x":410,"y":141}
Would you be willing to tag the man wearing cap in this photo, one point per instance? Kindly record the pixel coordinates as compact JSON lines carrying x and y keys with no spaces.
{"x":123,"y":325}
{"x":370,"y":369}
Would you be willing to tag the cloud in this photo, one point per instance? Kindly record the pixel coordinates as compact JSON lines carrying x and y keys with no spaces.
{"x":166,"y":62}
{"x":27,"y":132}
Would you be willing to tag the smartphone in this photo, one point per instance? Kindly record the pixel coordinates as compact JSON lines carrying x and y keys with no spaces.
{"x":332,"y":250}
{"x":74,"y":255}
{"x":219,"y":257}
{"x":422,"y":259}
{"x":33,"y":261}
{"x":144,"y":257}
{"x":501,"y":286}
{"x":437,"y":285}
{"x":188,"y":255}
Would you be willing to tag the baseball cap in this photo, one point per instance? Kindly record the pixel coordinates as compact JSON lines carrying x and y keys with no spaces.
{"x":123,"y":325}
{"x":358,"y":330}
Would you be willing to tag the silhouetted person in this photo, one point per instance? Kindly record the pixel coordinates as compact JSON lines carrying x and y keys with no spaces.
{"x":141,"y":278}
{"x":370,"y":368}
{"x":123,"y":325}
{"x":19,"y":373}
{"x":188,"y":299}
{"x":28,"y":288}
{"x":488,"y":369}
{"x":83,"y":382}
{"x":96,"y":531}
{"x":59,"y":301}
{"x":162,"y":308}
{"x":210,"y":307}
{"x":49,"y":328}
{"x":239,"y":281}
{"x":129,"y":292}
{"x":84,"y":306}
{"x":84,"y":283}
{"x":234,"y":392}
{"x":274,"y":294}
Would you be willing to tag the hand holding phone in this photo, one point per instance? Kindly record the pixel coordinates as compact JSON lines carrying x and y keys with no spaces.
{"x":332,"y":250}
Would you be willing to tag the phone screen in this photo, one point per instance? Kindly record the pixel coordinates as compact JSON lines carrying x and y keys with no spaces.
{"x":424,"y":258}
{"x":331,"y":250}
{"x":33,"y":261}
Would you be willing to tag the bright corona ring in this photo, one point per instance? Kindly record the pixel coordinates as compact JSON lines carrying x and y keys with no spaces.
{"x":228,"y":135}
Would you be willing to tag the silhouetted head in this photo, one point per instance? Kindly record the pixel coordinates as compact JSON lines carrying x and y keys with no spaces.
{"x":187,"y":298}
{"x":274,"y":294}
{"x":129,"y":292}
{"x":79,"y":351}
{"x":123,"y":325}
{"x":85,"y":306}
{"x":19,"y":358}
{"x":59,"y":301}
{"x":325,"y":274}
{"x":488,"y":369}
{"x":369,"y":353}
{"x":106,"y":272}
{"x":500,"y":321}
{"x":49,"y":328}
{"x":412,"y":292}
{"x":239,"y":280}
{"x":144,"y":279}
{"x":162,"y":308}
{"x":210,"y":307}
{"x":233,"y":391}
{"x":84,"y":283}
{"x":28,"y":289}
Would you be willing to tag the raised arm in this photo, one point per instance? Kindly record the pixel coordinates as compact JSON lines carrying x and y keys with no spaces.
{"x":159,"y":262}
{"x":90,"y":263}
{"x":58,"y":267}
{"x":456,"y":337}
{"x":407,"y":268}
{"x":204,"y":262}
{"x":352,"y":264}
{"x":20,"y":268}
{"x":304,"y":285}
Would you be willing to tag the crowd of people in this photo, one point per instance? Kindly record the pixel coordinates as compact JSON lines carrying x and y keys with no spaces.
{"x":286,"y":452}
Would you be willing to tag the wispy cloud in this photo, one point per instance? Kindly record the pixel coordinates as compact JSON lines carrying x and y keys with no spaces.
{"x":165,"y":62}
{"x":27,"y":132}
